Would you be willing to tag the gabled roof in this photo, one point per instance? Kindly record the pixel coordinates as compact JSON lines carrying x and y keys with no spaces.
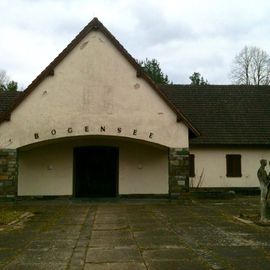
{"x":225,"y":114}
{"x":7,"y":100}
{"x":96,"y":25}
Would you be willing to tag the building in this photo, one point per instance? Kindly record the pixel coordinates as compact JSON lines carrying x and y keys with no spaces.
{"x":94,"y":124}
{"x":235,"y":132}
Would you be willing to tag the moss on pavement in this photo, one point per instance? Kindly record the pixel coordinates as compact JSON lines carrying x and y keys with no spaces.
{"x":7,"y":216}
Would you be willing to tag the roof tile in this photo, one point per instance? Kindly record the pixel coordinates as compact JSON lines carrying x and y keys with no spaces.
{"x":7,"y":99}
{"x":224,"y":114}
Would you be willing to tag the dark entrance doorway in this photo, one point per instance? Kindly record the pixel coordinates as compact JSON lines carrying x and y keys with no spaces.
{"x":96,"y":171}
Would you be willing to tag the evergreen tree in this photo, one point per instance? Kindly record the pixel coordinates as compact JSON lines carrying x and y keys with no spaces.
{"x":6,"y":84}
{"x":153,"y":70}
{"x":10,"y":86}
{"x":197,"y":79}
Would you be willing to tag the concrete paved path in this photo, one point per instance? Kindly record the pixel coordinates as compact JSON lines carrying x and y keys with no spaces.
{"x":137,"y":234}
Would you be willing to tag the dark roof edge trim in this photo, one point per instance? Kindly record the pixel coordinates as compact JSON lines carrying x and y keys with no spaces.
{"x":5,"y":117}
{"x":95,"y":25}
{"x":238,"y":144}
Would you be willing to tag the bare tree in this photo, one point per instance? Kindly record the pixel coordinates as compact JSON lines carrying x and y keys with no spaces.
{"x":251,"y":67}
{"x":4,"y":79}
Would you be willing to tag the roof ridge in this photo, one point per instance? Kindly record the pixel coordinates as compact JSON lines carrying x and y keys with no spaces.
{"x":95,"y":25}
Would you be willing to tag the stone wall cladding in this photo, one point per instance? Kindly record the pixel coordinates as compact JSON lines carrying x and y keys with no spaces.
{"x":178,"y":171}
{"x":8,"y":172}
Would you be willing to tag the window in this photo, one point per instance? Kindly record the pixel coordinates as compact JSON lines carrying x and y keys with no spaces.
{"x":191,"y":166}
{"x":233,"y":165}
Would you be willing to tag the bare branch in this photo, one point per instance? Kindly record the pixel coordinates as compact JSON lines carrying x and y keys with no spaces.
{"x":4,"y":79}
{"x":251,"y":66}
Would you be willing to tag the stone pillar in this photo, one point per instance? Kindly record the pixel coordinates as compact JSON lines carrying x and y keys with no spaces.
{"x":8,"y":172}
{"x":178,"y":171}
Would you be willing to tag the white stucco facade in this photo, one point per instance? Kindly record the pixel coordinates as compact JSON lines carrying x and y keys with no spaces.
{"x":210,"y":166}
{"x":48,"y":170}
{"x":93,"y":98}
{"x":94,"y":91}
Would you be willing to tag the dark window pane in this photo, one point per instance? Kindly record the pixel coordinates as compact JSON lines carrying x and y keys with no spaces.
{"x":191,"y":166}
{"x":233,"y":165}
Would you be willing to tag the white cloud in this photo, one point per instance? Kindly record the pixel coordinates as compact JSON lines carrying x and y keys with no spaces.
{"x":185,"y":36}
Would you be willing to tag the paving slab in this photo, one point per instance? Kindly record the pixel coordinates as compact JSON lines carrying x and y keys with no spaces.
{"x":115,"y":266}
{"x":6,"y":255}
{"x":259,"y":263}
{"x":111,"y":234}
{"x":110,"y":242}
{"x":41,"y":256}
{"x":146,"y":242}
{"x":49,"y":244}
{"x":232,"y":252}
{"x":36,"y":266}
{"x":177,"y":265}
{"x":168,"y":254}
{"x":137,"y":234}
{"x":104,"y":255}
{"x":110,"y":226}
{"x":143,"y":226}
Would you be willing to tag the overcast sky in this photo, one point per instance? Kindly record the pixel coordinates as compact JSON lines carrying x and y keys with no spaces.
{"x":183,"y":35}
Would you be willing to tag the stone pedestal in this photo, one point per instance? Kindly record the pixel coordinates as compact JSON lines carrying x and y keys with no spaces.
{"x":178,"y":171}
{"x":8,"y":172}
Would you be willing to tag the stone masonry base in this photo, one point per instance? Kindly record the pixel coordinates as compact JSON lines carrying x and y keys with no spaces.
{"x":178,"y":171}
{"x":8,"y":172}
